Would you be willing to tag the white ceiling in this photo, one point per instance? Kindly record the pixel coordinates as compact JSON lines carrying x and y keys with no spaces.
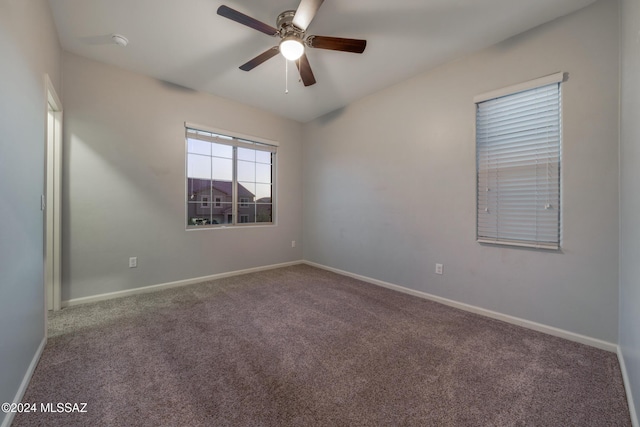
{"x":186,"y":43}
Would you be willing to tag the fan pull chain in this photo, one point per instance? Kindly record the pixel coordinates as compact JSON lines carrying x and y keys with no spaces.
{"x":286,"y":76}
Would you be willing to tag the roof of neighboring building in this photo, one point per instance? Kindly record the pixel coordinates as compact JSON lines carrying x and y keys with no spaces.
{"x":197,"y":185}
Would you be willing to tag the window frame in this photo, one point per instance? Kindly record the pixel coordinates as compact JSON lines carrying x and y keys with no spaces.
{"x":556,"y":78}
{"x":235,"y":140}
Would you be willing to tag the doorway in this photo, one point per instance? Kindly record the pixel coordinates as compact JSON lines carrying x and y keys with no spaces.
{"x":51,"y":199}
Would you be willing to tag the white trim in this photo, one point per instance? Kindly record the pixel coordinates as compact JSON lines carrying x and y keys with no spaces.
{"x":520,"y":87}
{"x":627,"y":389}
{"x":176,"y":284}
{"x":231,"y":142}
{"x":550,"y":330}
{"x":230,"y":133}
{"x":52,"y":95}
{"x":53,"y":197}
{"x":550,"y":246}
{"x":8,"y":418}
{"x":229,"y":226}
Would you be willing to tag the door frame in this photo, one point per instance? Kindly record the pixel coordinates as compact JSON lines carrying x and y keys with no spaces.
{"x":52,"y":198}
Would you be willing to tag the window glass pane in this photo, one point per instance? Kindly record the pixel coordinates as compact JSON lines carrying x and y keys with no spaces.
{"x":263,"y":173}
{"x":196,"y":188}
{"x":247,"y":190}
{"x":246,"y":171}
{"x":197,"y":215}
{"x":222,"y":213}
{"x":263,"y":213}
{"x":263,"y":157}
{"x":198,"y":147}
{"x":198,"y":166}
{"x":222,"y":169}
{"x":246,"y":212}
{"x":222,"y":150}
{"x":262,"y":191}
{"x":246,"y":154}
{"x":223,"y":189}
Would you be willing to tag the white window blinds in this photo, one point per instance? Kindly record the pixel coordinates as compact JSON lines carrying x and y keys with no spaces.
{"x":518,"y":168}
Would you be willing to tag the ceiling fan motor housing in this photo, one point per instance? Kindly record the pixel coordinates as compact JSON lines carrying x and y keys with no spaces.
{"x":286,"y":27}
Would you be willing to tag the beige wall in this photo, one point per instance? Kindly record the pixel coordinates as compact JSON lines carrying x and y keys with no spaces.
{"x":630,"y":198}
{"x":124,"y":183}
{"x":29,"y":48}
{"x":390,"y":182}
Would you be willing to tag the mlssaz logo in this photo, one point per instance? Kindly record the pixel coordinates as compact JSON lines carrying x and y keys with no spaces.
{"x":64,"y":407}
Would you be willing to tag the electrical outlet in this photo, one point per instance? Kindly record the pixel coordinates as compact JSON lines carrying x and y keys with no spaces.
{"x":439,"y":268}
{"x":293,"y":243}
{"x":133,"y":262}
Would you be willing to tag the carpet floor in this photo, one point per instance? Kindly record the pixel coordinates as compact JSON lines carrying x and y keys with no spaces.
{"x":300,"y":346}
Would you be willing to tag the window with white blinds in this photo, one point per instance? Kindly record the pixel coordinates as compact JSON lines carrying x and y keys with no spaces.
{"x":518,"y":137}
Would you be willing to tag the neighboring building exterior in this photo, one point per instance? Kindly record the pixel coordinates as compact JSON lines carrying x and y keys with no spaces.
{"x":210,"y":202}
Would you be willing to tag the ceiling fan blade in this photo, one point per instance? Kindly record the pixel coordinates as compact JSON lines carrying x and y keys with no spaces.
{"x":305,"y":71}
{"x":337,"y":43}
{"x":243,"y":19}
{"x":260,"y":59}
{"x":305,"y":13}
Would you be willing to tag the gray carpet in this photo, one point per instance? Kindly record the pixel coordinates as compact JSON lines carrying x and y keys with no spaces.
{"x":299,"y":346}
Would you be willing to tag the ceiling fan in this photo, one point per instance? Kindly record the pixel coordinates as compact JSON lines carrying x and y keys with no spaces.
{"x":291,"y":28}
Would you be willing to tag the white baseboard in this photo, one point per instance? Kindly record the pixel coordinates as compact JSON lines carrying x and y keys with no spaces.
{"x":8,"y":418}
{"x":153,"y":288}
{"x":583,"y":339}
{"x":627,"y":388}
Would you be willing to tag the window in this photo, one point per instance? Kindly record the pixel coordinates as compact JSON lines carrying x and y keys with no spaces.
{"x":518,"y":145}
{"x":229,"y":179}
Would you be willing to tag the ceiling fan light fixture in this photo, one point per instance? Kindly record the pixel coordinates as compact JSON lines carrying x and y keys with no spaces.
{"x":291,"y":48}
